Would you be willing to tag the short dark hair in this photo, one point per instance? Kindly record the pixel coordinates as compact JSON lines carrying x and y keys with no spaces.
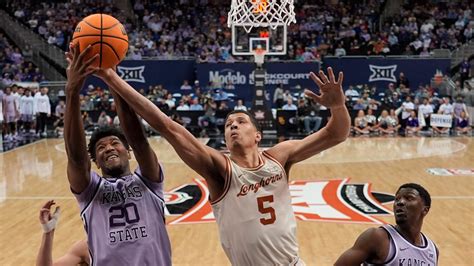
{"x":421,"y":190}
{"x":252,"y":118}
{"x":103,"y":132}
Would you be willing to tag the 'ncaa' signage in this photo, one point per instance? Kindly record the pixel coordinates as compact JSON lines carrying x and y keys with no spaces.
{"x":381,"y":71}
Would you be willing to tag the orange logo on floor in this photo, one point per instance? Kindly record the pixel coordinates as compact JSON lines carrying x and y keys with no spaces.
{"x":324,"y":200}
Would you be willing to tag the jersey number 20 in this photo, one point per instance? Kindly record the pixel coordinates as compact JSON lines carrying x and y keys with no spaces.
{"x":121,"y":215}
{"x":266,"y":210}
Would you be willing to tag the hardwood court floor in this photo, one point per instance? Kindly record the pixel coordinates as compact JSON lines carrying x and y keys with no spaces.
{"x":32,"y":174}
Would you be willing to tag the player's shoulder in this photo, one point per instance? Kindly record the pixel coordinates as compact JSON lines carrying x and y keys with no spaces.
{"x":375,"y":235}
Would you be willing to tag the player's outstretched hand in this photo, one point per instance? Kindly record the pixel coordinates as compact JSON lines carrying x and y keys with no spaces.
{"x":47,"y":219}
{"x":78,"y":67}
{"x":331,"y":94}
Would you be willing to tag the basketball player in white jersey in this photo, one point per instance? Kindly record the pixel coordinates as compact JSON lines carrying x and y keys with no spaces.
{"x":78,"y":253}
{"x":402,"y":244}
{"x":249,"y":189}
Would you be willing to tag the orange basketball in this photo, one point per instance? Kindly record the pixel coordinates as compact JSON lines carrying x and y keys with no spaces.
{"x":106,"y":35}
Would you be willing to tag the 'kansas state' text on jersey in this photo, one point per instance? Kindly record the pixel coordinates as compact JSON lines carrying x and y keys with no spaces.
{"x":124,"y":220}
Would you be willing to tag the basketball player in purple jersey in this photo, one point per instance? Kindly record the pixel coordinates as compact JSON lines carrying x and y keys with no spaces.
{"x":402,"y":244}
{"x":122,"y":211}
{"x":249,"y":189}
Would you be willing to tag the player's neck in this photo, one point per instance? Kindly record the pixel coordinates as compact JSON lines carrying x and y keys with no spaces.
{"x":127,"y":172}
{"x":412,"y":233}
{"x":246,"y":159}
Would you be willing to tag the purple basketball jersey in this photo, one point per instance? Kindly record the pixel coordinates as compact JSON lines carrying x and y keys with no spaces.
{"x":125,"y":221}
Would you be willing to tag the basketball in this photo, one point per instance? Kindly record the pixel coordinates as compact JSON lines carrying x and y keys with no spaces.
{"x":106,"y":35}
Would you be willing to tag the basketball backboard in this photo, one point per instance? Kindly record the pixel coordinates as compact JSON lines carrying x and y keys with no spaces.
{"x":272,"y":40}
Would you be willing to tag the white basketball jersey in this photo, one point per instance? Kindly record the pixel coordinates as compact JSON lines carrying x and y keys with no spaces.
{"x":254,"y":214}
{"x":403,"y":253}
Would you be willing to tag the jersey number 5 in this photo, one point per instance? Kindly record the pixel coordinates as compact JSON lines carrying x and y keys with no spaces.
{"x":264,"y":210}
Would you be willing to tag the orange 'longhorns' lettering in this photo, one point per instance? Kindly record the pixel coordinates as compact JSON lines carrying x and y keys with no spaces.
{"x":245,"y":189}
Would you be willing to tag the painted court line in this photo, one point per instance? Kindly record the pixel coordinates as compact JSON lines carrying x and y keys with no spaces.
{"x":36,"y":198}
{"x":453,"y":197}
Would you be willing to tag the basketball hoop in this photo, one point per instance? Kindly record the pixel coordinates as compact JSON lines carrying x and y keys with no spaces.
{"x":259,"y":55}
{"x":261,"y":13}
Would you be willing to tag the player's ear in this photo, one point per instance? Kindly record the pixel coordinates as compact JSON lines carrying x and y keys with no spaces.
{"x":258,"y":136}
{"x":426,"y":209}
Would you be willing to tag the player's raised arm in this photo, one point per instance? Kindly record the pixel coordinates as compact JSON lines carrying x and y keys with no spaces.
{"x":335,"y":132}
{"x":79,"y":165}
{"x":133,"y":130}
{"x":77,"y":254}
{"x":206,"y":161}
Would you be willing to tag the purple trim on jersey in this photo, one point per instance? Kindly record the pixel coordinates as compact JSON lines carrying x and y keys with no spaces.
{"x":96,"y":180}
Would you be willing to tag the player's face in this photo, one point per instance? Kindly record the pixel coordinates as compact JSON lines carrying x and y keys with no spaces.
{"x":112,"y":156}
{"x":409,"y":207}
{"x":239,"y":131}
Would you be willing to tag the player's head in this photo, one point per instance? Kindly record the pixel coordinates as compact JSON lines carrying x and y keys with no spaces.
{"x":412,"y":203}
{"x":110,"y":151}
{"x":241,"y":129}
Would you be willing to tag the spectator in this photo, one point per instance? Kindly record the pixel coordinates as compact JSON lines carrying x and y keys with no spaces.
{"x":412,"y":125}
{"x":104,"y":119}
{"x":195,"y":106}
{"x":186,"y":86}
{"x":385,"y":123}
{"x":308,"y":112}
{"x":27,"y":110}
{"x":183,"y":106}
{"x":240,"y":105}
{"x":403,"y":80}
{"x":278,"y":96}
{"x":465,"y":71}
{"x":406,"y":108}
{"x":42,"y":109}
{"x":351,"y":93}
{"x":426,"y":109}
{"x":289,"y":105}
{"x":360,"y":124}
{"x":60,"y":109}
{"x":462,"y":124}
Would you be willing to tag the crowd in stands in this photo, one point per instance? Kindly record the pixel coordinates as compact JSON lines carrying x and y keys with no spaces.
{"x":198,"y":29}
{"x":398,"y":109}
{"x":403,"y":109}
{"x":16,"y":65}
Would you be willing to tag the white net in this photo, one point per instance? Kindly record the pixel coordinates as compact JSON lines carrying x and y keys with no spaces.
{"x":261,"y":13}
